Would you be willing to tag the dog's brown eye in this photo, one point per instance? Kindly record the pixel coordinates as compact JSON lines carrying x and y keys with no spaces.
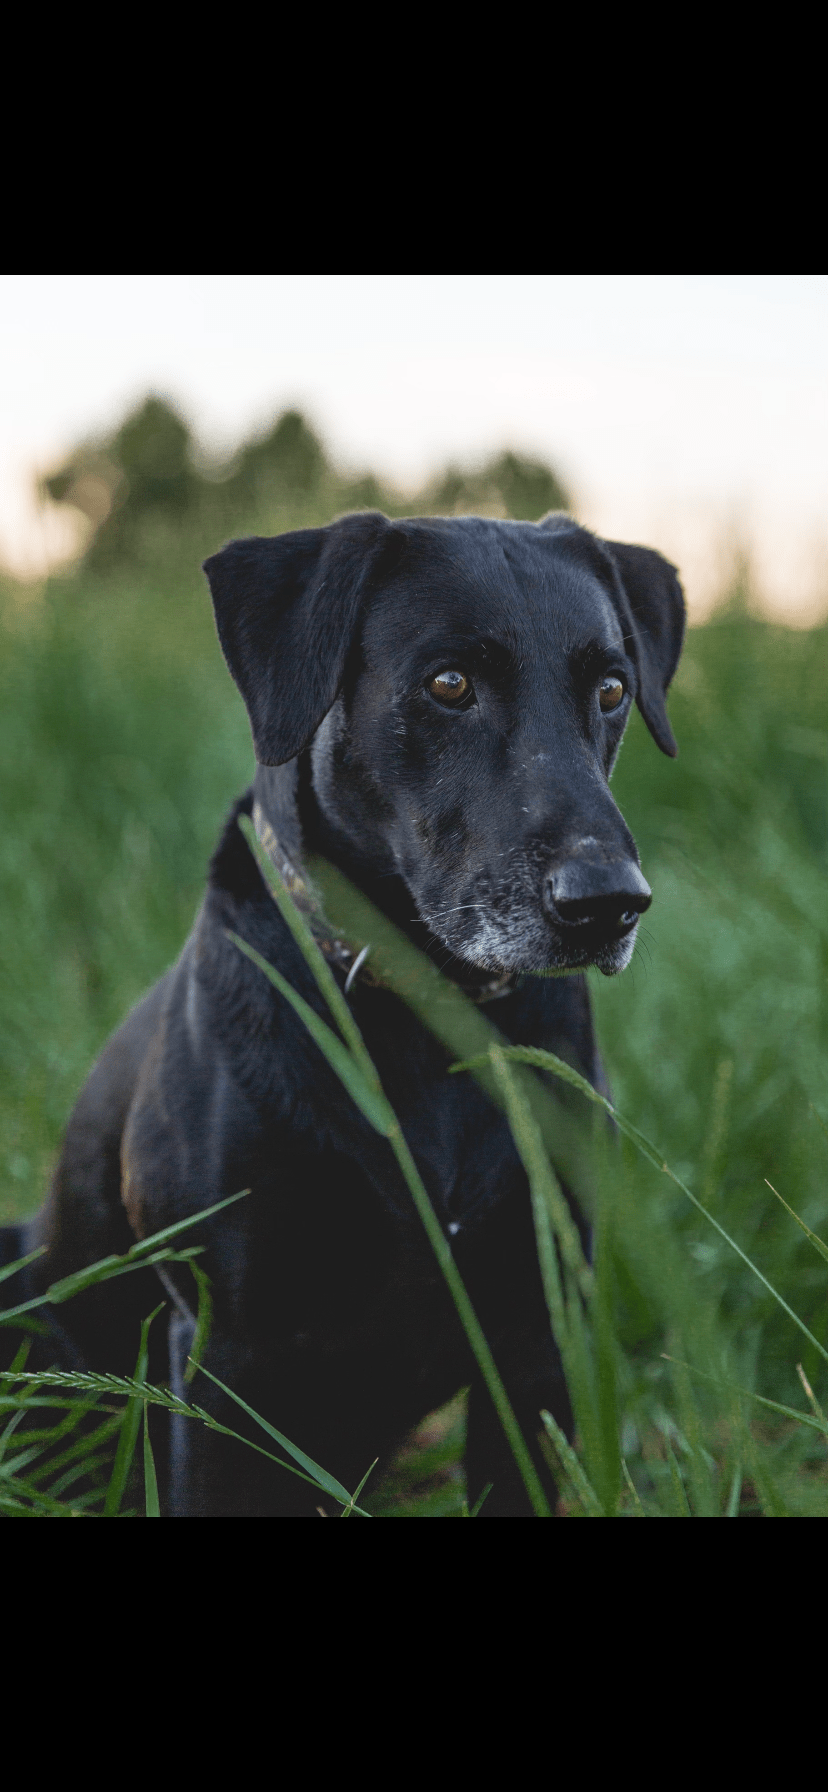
{"x":610,"y":693}
{"x":449,"y":687}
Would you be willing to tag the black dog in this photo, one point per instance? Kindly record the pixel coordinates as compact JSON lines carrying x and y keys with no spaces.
{"x":436,"y":707}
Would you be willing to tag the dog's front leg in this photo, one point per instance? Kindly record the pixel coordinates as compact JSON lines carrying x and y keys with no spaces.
{"x":531,"y":1370}
{"x":215,"y":1476}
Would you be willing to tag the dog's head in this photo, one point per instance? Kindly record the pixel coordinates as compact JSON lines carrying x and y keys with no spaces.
{"x":464,"y":686}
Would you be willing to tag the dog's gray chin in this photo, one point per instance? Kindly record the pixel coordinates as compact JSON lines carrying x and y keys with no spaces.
{"x":615,"y":958}
{"x":527,"y":951}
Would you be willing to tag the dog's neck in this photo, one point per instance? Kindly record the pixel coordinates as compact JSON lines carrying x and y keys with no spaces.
{"x":289,"y":824}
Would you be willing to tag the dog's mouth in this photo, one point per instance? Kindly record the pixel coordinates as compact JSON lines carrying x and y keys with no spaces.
{"x":503,"y":945}
{"x":593,"y":946}
{"x":605,"y":939}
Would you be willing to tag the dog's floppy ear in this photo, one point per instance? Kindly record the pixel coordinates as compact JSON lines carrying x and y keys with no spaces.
{"x":286,"y":610}
{"x":654,"y":629}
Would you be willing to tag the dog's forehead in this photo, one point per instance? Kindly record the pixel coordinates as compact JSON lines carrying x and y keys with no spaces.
{"x":474,"y":579}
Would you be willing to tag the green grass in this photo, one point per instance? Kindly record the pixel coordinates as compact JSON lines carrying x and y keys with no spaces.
{"x":123,"y":743}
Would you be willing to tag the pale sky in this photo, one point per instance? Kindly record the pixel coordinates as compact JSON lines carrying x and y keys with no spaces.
{"x":688,"y":412}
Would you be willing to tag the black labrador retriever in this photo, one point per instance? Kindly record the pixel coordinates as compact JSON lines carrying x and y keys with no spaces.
{"x":436,"y":706}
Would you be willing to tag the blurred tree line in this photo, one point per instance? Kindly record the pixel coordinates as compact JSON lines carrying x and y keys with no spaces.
{"x":148,"y":492}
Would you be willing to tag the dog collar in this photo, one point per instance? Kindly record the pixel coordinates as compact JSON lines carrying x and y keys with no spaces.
{"x":335,"y":950}
{"x":353,"y":965}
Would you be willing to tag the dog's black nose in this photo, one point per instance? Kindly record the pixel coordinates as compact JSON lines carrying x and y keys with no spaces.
{"x":586,"y":892}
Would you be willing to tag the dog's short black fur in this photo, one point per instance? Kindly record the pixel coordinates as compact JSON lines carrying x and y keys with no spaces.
{"x":476,"y":811}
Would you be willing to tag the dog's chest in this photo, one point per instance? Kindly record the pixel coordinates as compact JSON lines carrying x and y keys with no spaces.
{"x":461,"y":1141}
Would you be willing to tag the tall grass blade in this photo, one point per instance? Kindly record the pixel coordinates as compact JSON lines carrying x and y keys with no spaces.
{"x":130,"y":1426}
{"x":86,"y":1447}
{"x":106,"y":1270}
{"x":704,"y":1498}
{"x":327,"y":1482}
{"x":572,"y":1471}
{"x":735,"y":1494}
{"x":204,"y":1321}
{"x":680,"y":1502}
{"x":11,"y":1269}
{"x":347,"y":1511}
{"x":21,"y":1356}
{"x":10,"y":1428}
{"x":21,"y":1459}
{"x":124,"y":1385}
{"x":39,"y":1445}
{"x":140,"y":1256}
{"x":811,"y":1396}
{"x":310,"y":950}
{"x":638,"y":1509}
{"x":153,"y":1509}
{"x":544,"y":1183}
{"x":817,"y":1423}
{"x":461,"y":1026}
{"x":771,"y":1500}
{"x":370,"y":1101}
{"x":603,"y":1466}
{"x":205,"y":1213}
{"x":23,"y":1498}
{"x":547,"y":1197}
{"x":601,"y":1310}
{"x":819,"y":1247}
{"x":528,"y":1054}
{"x":471,"y":1325}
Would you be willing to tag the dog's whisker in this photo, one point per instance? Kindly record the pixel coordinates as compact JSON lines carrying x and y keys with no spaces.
{"x":456,"y":910}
